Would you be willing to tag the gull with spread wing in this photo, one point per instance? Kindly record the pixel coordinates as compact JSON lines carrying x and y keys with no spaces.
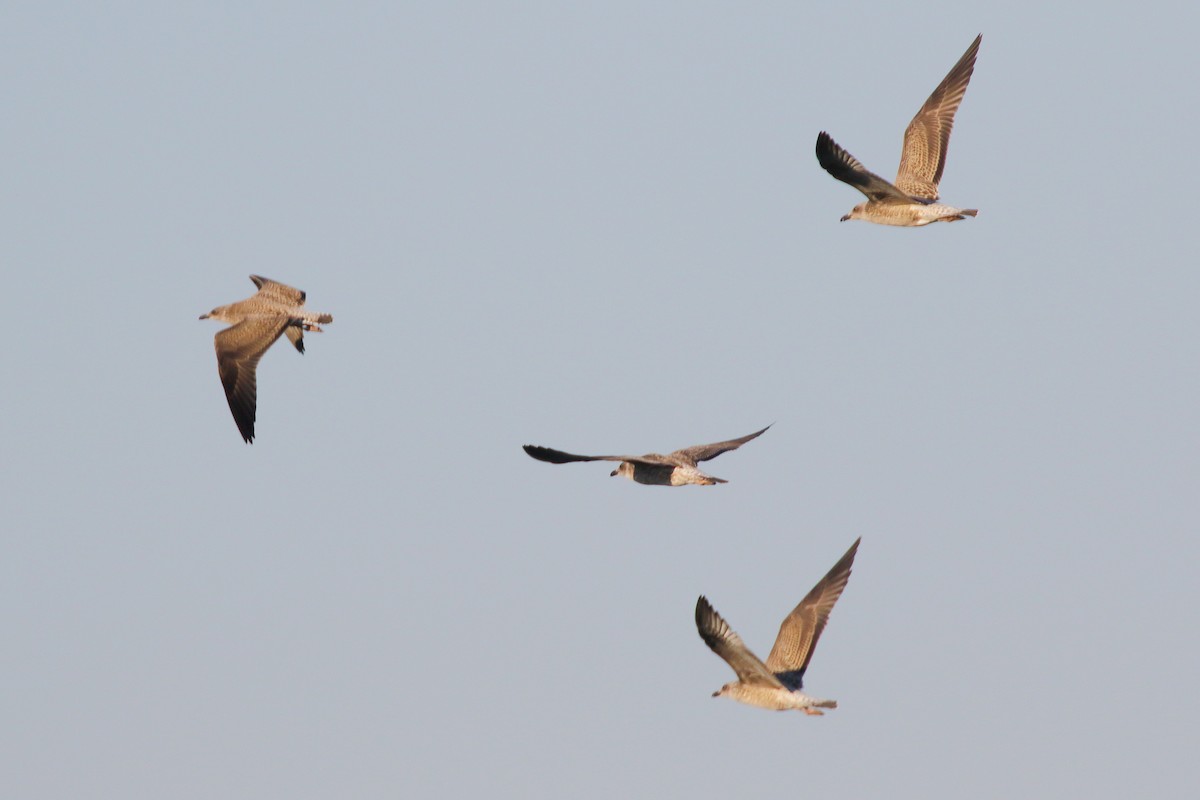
{"x":255,"y":323}
{"x":776,"y":684}
{"x":674,"y":469}
{"x":912,"y":200}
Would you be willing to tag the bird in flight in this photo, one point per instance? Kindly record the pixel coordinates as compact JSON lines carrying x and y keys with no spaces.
{"x":255,"y":323}
{"x":912,"y":199}
{"x":674,"y":469}
{"x":777,"y":683}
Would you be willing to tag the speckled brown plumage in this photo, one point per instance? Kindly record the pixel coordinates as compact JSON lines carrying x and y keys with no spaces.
{"x":678,"y":468}
{"x":255,"y":324}
{"x":777,"y":683}
{"x":912,"y":199}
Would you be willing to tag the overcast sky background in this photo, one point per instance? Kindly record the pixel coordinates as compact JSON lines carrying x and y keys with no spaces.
{"x":599,"y":228}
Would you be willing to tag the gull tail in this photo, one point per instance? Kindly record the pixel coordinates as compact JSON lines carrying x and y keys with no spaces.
{"x":957,"y":214}
{"x":311,"y":322}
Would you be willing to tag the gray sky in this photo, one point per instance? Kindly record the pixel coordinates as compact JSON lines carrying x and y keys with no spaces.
{"x":601,"y":229}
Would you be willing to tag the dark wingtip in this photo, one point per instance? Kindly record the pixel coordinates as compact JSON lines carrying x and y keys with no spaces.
{"x":830,"y":155}
{"x":546,"y":454}
{"x":825,"y":143}
{"x":848,"y":557}
{"x":245,"y":426}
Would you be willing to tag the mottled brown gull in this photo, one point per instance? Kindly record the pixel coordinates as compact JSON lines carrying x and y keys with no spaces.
{"x":255,"y":324}
{"x":912,"y":200}
{"x":674,"y":469}
{"x":777,"y":683}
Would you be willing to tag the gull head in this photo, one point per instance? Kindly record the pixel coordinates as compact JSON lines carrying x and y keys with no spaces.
{"x":858,"y":212}
{"x":625,"y":470}
{"x":216,"y":313}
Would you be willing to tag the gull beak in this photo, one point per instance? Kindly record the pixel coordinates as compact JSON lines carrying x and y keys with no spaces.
{"x":613,"y":474}
{"x":843,"y":219}
{"x":204,"y":316}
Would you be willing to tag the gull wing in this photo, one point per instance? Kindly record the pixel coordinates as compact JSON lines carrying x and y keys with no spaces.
{"x":704,"y":452}
{"x":295,"y":335}
{"x":721,"y":639}
{"x":928,"y":135}
{"x":848,"y":169}
{"x":279,"y":291}
{"x":800,"y":630}
{"x":239,"y":349}
{"x":559,"y":457}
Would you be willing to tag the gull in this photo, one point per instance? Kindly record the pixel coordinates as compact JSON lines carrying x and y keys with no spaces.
{"x":912,"y":200}
{"x":255,"y":324}
{"x":674,"y":469}
{"x":776,"y":684}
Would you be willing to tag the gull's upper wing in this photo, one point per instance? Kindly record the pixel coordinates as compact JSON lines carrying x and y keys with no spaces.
{"x":295,"y":335}
{"x":928,"y":135}
{"x":278,"y":291}
{"x":703,"y":452}
{"x":717,"y":634}
{"x":559,"y":457}
{"x":848,"y":169}
{"x":239,"y":349}
{"x":800,"y":630}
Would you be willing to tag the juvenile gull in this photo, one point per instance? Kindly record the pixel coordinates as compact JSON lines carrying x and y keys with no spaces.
{"x":674,"y":469}
{"x":255,"y":324}
{"x":912,"y":200}
{"x":776,"y":684}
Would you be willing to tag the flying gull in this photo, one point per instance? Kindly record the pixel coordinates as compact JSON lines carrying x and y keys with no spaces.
{"x":777,"y":683}
{"x":255,"y":324}
{"x":912,"y":200}
{"x":674,"y":469}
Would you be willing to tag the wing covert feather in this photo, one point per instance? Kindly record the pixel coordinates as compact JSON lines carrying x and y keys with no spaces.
{"x":802,"y":628}
{"x":704,"y":452}
{"x":239,"y":349}
{"x":927,"y":137}
{"x":722,"y":640}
